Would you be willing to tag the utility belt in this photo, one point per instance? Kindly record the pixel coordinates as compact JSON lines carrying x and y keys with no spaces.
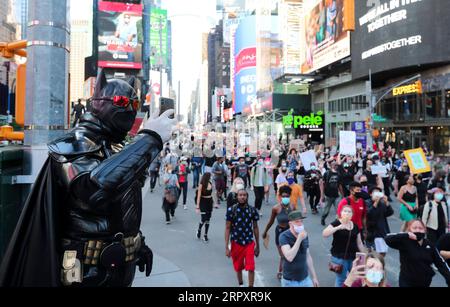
{"x":109,"y":254}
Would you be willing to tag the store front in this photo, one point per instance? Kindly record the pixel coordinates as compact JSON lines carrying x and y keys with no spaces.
{"x":417,"y":113}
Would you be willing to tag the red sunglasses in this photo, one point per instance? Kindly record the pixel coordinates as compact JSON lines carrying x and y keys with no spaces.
{"x":122,"y":101}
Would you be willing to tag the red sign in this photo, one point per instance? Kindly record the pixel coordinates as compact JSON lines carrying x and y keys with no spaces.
{"x":120,"y":7}
{"x":245,"y":59}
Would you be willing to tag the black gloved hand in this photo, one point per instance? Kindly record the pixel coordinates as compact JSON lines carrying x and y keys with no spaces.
{"x":145,"y":260}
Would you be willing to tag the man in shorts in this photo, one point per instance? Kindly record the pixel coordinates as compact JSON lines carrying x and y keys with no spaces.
{"x":242,"y":228}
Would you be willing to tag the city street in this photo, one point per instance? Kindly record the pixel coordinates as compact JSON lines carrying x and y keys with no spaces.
{"x":182,"y":261}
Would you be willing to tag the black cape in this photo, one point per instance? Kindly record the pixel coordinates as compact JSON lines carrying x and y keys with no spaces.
{"x":31,"y":259}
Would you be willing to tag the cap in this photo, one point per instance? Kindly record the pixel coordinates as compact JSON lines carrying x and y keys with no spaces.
{"x":295,"y":215}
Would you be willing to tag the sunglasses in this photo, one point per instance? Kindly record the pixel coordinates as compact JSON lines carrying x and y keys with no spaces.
{"x":122,"y":101}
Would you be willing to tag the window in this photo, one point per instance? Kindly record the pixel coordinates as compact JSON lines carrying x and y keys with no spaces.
{"x":447,"y":103}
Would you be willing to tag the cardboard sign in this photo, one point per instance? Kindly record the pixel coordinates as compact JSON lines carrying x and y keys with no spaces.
{"x":347,"y":142}
{"x":307,"y":158}
{"x":417,"y":161}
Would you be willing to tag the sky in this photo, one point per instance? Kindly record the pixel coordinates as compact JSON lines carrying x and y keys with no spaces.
{"x":189,"y":20}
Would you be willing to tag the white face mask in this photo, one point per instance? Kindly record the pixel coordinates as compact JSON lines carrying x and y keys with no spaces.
{"x":374,"y":277}
{"x":299,"y":229}
{"x":240,"y":186}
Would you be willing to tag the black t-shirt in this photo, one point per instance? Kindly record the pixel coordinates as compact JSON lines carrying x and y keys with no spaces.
{"x":443,"y":244}
{"x":210,"y":161}
{"x":371,"y":179}
{"x":312,"y":179}
{"x":340,"y":239}
{"x":332,"y":182}
{"x":241,"y":170}
{"x":347,"y":177}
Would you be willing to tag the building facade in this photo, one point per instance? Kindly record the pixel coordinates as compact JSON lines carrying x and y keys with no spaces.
{"x":80,"y":48}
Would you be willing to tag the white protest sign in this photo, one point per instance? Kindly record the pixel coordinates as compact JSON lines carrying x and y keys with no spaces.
{"x":378,"y":170}
{"x":347,"y":143}
{"x":307,"y":158}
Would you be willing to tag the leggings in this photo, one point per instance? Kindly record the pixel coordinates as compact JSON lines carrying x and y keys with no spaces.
{"x":184,"y":188}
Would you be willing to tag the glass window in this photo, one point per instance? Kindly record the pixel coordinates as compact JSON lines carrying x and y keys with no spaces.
{"x":433,"y":105}
{"x":447,"y":103}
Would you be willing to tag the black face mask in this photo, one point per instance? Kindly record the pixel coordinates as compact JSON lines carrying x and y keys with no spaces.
{"x":358,"y":195}
{"x":363,"y":183}
{"x":420,"y":235}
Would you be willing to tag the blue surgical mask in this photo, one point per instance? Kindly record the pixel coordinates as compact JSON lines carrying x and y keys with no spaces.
{"x":374,"y":277}
{"x":285,"y":201}
{"x":290,"y":181}
{"x":313,"y":168}
{"x":438,"y":196}
{"x":299,"y":229}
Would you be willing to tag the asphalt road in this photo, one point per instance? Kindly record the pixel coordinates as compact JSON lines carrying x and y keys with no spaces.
{"x":182,"y":260}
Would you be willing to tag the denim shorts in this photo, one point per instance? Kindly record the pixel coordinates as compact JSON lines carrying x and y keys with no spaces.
{"x":305,"y":283}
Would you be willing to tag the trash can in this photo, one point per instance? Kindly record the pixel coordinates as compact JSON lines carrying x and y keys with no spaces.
{"x":11,"y":195}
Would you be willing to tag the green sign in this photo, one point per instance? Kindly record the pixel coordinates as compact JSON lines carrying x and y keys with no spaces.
{"x":158,"y":20}
{"x":378,"y":118}
{"x":310,"y":121}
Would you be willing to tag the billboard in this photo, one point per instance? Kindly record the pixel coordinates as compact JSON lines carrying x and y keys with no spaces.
{"x":159,"y":54}
{"x":398,"y":34}
{"x":245,"y":66}
{"x":118,"y":28}
{"x":325,"y":39}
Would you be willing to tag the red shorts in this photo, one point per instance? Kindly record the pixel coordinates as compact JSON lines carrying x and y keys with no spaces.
{"x":243,"y":256}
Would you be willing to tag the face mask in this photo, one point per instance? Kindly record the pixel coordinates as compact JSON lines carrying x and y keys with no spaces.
{"x":290,"y":181}
{"x":313,"y":168}
{"x":346,"y":216}
{"x":299,"y":229}
{"x":364,"y":183}
{"x":260,"y":162}
{"x":438,"y":196}
{"x":346,"y":165}
{"x":267,"y":163}
{"x":419,"y":235}
{"x":283,"y":165}
{"x":374,"y":277}
{"x":240,"y":186}
{"x":358,"y":195}
{"x":284,"y":169}
{"x":241,"y":163}
{"x":285,"y":201}
{"x":322,"y":157}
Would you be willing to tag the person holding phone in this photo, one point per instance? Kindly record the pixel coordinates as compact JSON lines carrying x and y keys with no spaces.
{"x":298,"y":267}
{"x":417,"y":255}
{"x":367,"y":272}
{"x":346,"y":242}
{"x":378,"y":210}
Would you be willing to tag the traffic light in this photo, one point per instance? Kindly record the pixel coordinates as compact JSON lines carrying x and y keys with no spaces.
{"x":368,"y":123}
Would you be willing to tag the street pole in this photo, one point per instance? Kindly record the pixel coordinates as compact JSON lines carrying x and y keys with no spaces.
{"x":160,"y":61}
{"x":179,"y":98}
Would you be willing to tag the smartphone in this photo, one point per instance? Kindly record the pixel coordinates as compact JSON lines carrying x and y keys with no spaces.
{"x":166,"y":104}
{"x":361,"y":258}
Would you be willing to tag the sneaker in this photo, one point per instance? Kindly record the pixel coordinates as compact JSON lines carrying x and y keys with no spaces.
{"x":217,"y":206}
{"x":184,"y":207}
{"x":205,"y":239}
{"x":167,"y":222}
{"x":173,"y":217}
{"x":199,"y":233}
{"x":151,"y":191}
{"x":322,"y":221}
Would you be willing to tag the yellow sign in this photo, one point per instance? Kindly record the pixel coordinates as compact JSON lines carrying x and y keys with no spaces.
{"x":408,"y":89}
{"x":417,"y":161}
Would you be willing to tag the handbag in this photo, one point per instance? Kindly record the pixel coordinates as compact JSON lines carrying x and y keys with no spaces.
{"x":338,"y":268}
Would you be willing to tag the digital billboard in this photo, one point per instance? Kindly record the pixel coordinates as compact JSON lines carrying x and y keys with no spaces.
{"x":325,"y":39}
{"x":399,"y":33}
{"x":245,"y":66}
{"x":158,"y":20}
{"x":118,"y":45}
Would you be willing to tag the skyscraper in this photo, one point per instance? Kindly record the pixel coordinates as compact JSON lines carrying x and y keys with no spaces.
{"x":80,"y":47}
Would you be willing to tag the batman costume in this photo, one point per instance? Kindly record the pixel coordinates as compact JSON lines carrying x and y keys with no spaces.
{"x":80,"y":224}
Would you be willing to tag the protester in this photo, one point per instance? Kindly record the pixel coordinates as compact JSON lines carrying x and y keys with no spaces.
{"x":422,"y":192}
{"x":238,"y":184}
{"x":435,"y":216}
{"x":171,"y":192}
{"x":280,"y":212}
{"x":417,"y":255}
{"x":293,"y":161}
{"x":443,"y":245}
{"x":259,"y":181}
{"x":204,"y":205}
{"x":407,"y":196}
{"x":312,"y":185}
{"x":281,"y":177}
{"x":196,"y":166}
{"x":378,"y":210}
{"x":359,"y":215}
{"x":371,"y":274}
{"x":401,"y":177}
{"x":241,"y":171}
{"x":154,"y":172}
{"x":182,"y":170}
{"x":346,"y":242}
{"x":298,"y":267}
{"x":269,"y":170}
{"x":332,"y":187}
{"x":241,"y":228}
{"x":219,"y":179}
{"x":347,"y":170}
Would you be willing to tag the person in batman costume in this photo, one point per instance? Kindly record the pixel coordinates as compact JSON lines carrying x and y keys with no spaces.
{"x":80,"y":224}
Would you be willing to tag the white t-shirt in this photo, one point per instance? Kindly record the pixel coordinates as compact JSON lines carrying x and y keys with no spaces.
{"x":280,"y":179}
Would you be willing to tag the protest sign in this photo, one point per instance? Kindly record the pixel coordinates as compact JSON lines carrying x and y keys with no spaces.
{"x":417,"y":161}
{"x":307,"y":158}
{"x":347,"y":143}
{"x":378,"y":170}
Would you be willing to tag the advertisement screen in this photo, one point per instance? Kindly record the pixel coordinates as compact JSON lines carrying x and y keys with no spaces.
{"x":325,"y":38}
{"x":119,"y":26}
{"x":398,"y":34}
{"x":245,"y":66}
{"x":158,"y":20}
